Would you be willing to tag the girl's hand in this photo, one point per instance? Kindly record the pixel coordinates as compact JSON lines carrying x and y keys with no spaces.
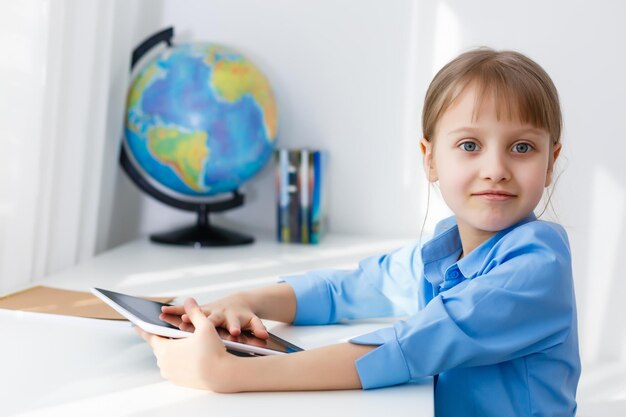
{"x":232,"y":313}
{"x":198,"y":361}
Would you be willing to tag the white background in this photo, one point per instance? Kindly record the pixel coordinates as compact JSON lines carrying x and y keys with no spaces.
{"x":349,"y":76}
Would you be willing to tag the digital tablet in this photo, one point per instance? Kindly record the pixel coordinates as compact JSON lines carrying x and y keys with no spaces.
{"x":145,"y":314}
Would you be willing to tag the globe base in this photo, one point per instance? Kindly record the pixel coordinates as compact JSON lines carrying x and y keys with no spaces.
{"x":202,"y":236}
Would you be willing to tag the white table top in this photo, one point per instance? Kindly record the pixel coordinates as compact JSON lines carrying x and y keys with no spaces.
{"x":67,"y":366}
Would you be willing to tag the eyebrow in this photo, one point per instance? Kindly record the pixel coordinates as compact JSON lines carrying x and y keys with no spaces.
{"x":518,"y":131}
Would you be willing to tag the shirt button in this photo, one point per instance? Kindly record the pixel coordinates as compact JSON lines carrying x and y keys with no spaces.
{"x":454,"y":274}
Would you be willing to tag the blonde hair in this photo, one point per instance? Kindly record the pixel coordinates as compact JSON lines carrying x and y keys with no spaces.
{"x":517,"y":83}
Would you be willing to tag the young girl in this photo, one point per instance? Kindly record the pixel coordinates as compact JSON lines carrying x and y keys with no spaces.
{"x":490,"y":296}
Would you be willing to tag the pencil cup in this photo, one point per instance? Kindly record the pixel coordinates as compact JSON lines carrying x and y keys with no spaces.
{"x":300,"y":193}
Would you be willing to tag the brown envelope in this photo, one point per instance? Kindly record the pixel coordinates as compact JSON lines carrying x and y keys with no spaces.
{"x":41,"y":299}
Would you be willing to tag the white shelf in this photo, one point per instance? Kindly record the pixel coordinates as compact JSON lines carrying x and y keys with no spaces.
{"x":149,"y":269}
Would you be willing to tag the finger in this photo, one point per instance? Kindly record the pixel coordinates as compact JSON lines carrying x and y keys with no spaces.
{"x":175,"y":311}
{"x":258,"y":328}
{"x":187,"y":327}
{"x":171,"y":319}
{"x":196,"y":316}
{"x":178,"y":310}
{"x":153,"y":340}
{"x":218,"y":319}
{"x":232,"y":324}
{"x":186,"y":319}
{"x":141,"y":333}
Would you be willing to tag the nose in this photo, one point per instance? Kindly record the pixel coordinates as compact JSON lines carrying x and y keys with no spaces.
{"x":494,"y":167}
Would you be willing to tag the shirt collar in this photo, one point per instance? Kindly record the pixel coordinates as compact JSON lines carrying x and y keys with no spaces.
{"x":444,"y":249}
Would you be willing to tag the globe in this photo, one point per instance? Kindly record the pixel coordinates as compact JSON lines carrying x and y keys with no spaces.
{"x":201,"y":120}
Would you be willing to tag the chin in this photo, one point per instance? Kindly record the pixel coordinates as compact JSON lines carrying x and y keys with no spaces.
{"x":495,"y":228}
{"x":494,"y":225}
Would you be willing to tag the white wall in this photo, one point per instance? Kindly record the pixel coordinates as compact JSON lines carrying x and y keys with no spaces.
{"x":349,"y":76}
{"x":340,"y":72}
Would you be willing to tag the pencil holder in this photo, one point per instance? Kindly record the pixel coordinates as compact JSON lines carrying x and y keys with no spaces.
{"x":300,"y":189}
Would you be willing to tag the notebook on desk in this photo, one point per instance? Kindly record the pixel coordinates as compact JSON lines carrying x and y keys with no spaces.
{"x":42,"y":299}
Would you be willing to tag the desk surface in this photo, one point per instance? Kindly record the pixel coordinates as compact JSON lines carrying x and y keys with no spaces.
{"x":70,"y":366}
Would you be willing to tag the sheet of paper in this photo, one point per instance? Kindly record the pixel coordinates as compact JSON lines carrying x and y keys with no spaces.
{"x":42,"y":299}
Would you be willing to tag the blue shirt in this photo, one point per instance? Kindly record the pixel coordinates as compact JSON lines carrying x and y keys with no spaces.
{"x":498,"y":327}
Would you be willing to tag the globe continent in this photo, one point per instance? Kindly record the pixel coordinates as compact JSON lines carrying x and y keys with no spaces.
{"x":201,"y":120}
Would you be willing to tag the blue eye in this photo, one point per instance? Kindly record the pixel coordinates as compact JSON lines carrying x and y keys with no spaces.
{"x":522,"y":148}
{"x":468,"y":146}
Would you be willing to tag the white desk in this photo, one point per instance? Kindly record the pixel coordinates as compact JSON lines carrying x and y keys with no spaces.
{"x":52,"y":366}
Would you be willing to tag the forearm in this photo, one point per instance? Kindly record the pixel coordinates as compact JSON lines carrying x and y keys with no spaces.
{"x":275,"y":302}
{"x":327,"y":368}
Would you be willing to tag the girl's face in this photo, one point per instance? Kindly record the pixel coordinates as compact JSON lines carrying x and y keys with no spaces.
{"x":491,"y":173}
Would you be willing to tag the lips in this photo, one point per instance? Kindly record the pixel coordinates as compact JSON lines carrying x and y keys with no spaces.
{"x":495,"y":195}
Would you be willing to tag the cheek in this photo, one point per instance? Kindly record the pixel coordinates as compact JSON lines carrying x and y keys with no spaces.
{"x":534,"y":180}
{"x":455,"y":171}
{"x":454,"y":182}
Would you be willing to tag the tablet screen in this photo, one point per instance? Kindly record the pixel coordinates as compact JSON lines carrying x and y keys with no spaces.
{"x":149,"y":312}
{"x":273,"y":342}
{"x":146,"y":310}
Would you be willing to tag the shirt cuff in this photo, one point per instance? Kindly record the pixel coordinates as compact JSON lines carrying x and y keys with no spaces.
{"x":313,"y":304}
{"x":385,"y":365}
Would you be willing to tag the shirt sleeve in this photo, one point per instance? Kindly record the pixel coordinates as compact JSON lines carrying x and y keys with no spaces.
{"x":522,"y":303}
{"x":381,"y":286}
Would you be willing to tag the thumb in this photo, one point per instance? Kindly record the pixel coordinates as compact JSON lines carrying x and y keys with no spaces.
{"x":205,"y":330}
{"x":197,"y":317}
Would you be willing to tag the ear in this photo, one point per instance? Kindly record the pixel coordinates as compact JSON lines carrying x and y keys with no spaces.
{"x":556,"y":150}
{"x":429,"y":165}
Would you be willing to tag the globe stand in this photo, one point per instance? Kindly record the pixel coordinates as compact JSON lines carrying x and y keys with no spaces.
{"x":202,"y":234}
